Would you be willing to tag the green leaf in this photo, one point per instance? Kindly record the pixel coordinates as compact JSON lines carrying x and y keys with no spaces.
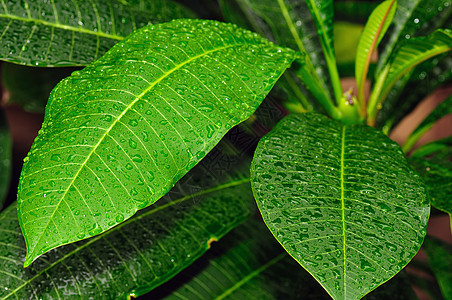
{"x":30,"y":87}
{"x":290,"y":23}
{"x":412,"y":53}
{"x":442,"y":148}
{"x":341,"y":199}
{"x":437,"y":174}
{"x":400,"y":102}
{"x":353,"y":11}
{"x":139,"y":254}
{"x":69,"y":33}
{"x":323,"y":13}
{"x":5,"y":159}
{"x":373,"y":32}
{"x":413,"y":18}
{"x":442,"y":110}
{"x":120,"y":133}
{"x":440,"y":258}
{"x":246,"y":264}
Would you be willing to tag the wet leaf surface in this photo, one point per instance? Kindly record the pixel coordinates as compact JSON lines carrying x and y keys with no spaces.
{"x":74,"y":33}
{"x":120,"y":133}
{"x":139,"y":254}
{"x":341,"y":199}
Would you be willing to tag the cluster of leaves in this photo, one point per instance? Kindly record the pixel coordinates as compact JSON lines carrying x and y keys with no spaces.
{"x":137,"y":168}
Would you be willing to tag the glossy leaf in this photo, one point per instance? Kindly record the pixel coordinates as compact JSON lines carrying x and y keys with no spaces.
{"x":413,"y":18}
{"x":414,"y":51}
{"x":373,"y":32}
{"x":74,"y":33}
{"x":341,"y":199}
{"x":437,"y":175}
{"x":5,"y":159}
{"x":139,"y":254}
{"x":290,"y":23}
{"x":440,"y":258}
{"x":120,"y":133}
{"x":442,"y":110}
{"x":30,"y":87}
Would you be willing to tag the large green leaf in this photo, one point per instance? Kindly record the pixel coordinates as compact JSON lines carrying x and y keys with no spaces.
{"x":413,"y":18}
{"x":139,"y":254}
{"x":30,"y":87}
{"x":5,"y":159}
{"x":443,"y":109}
{"x":412,"y":53}
{"x":120,"y":133}
{"x":440,"y":258}
{"x":68,"y":33}
{"x":373,"y":32}
{"x":341,"y":199}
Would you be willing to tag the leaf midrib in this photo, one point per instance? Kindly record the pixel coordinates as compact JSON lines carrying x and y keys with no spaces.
{"x":132,"y":220}
{"x":343,"y":207}
{"x":127,"y":108}
{"x":63,"y":26}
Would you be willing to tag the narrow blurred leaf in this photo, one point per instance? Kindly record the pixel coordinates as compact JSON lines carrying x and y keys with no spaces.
{"x":442,"y":148}
{"x":408,"y":92}
{"x":67,"y":33}
{"x":412,"y":53}
{"x":437,"y":175}
{"x":341,"y":199}
{"x":323,"y":13}
{"x":126,"y":128}
{"x":289,"y":23}
{"x":440,"y":257}
{"x":373,"y":32}
{"x":5,"y":159}
{"x":139,"y":254}
{"x":413,"y":18}
{"x":442,"y":110}
{"x":30,"y":87}
{"x":354,"y":11}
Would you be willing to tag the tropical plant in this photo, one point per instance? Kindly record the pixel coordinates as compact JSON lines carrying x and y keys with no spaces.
{"x":144,"y":156}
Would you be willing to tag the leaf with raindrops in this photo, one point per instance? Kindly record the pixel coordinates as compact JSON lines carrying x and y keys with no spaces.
{"x":341,"y":199}
{"x":141,"y":253}
{"x":74,"y":33}
{"x":120,"y":133}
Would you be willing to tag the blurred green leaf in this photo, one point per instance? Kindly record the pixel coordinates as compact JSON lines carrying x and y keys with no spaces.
{"x":354,"y":11}
{"x":413,"y":18}
{"x":127,"y":127}
{"x":67,"y":33}
{"x":341,"y":199}
{"x":412,"y":53}
{"x":139,"y":254}
{"x":30,"y":87}
{"x":5,"y":159}
{"x":346,"y":38}
{"x":442,"y":110}
{"x":440,"y":257}
{"x":290,"y":23}
{"x":437,"y":174}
